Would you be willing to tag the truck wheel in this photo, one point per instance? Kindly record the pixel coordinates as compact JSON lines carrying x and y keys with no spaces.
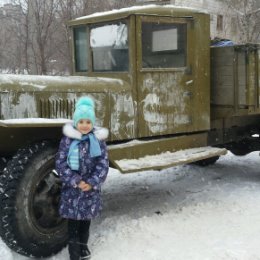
{"x":206,"y":162}
{"x":3,"y":163}
{"x":243,"y":147}
{"x":29,"y":197}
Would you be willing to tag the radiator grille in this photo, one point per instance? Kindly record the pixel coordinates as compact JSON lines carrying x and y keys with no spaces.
{"x":57,"y":108}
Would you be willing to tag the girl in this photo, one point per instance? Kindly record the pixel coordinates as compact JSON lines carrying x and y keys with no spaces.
{"x":82,"y":164}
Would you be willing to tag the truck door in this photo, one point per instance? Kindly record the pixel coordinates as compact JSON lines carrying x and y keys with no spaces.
{"x":166,"y":85}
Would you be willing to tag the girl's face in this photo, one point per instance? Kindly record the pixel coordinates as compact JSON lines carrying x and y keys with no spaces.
{"x":84,"y":126}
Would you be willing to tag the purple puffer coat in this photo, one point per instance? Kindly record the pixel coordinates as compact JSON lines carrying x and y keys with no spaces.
{"x":75,"y":203}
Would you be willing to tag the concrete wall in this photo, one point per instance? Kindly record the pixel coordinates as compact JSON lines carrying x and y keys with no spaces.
{"x":222,"y":24}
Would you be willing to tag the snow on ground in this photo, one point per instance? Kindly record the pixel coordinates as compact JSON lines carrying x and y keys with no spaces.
{"x":183,"y":213}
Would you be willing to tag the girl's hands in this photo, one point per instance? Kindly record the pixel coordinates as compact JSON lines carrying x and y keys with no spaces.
{"x":84,"y":186}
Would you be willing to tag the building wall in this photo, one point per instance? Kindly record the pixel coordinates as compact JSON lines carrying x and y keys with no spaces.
{"x":222,"y":19}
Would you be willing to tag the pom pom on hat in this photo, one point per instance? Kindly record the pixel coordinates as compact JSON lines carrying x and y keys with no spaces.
{"x":84,"y":109}
{"x":85,"y":101}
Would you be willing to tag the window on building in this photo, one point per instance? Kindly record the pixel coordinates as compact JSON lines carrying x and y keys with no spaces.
{"x":164,"y":45}
{"x":233,"y":28}
{"x":220,"y":22}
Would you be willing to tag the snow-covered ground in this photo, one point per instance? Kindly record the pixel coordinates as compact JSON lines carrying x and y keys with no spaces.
{"x":183,"y":213}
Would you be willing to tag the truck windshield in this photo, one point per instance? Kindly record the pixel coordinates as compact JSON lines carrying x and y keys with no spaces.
{"x":109,"y":46}
{"x":164,"y":45}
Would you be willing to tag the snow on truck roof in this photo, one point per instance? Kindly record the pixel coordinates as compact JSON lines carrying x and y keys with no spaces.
{"x":41,"y":82}
{"x":145,"y":9}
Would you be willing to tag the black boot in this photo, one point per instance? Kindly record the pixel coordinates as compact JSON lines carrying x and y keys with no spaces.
{"x":84,"y":252}
{"x":83,"y":238}
{"x":74,"y":250}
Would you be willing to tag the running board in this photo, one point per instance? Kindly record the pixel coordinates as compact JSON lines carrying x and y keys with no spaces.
{"x":168,"y":159}
{"x":138,"y":155}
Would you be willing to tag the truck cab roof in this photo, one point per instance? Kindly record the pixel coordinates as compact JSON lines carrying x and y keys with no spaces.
{"x":166,"y":10}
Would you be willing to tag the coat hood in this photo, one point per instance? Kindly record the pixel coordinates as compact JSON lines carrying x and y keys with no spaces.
{"x":68,"y":130}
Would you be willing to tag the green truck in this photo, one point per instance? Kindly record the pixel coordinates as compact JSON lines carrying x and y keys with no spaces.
{"x":165,"y":95}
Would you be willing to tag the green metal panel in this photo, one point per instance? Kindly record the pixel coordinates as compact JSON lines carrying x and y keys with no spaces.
{"x":175,"y":100}
{"x":44,"y":97}
{"x":13,"y":138}
{"x":252,"y":78}
{"x":136,"y":149}
{"x":258,"y":74}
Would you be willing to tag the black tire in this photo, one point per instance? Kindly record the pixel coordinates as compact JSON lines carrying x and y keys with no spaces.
{"x":244,"y":147}
{"x":29,"y":197}
{"x":3,"y":163}
{"x":206,"y":162}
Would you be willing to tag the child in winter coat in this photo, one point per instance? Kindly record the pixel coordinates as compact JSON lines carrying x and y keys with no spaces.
{"x":82,"y":164}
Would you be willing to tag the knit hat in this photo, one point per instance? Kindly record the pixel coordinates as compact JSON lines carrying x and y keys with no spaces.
{"x":84,"y":109}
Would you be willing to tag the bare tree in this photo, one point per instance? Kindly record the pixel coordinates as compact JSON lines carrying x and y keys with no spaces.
{"x":247,"y":14}
{"x":10,"y":46}
{"x":43,"y":26}
{"x":123,"y":3}
{"x":70,"y":9}
{"x":34,"y":37}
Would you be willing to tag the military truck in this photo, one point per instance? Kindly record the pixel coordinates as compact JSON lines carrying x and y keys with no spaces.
{"x":165,"y":95}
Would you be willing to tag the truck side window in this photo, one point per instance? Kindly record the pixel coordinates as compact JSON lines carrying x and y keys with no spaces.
{"x":81,"y":49}
{"x":164,"y":45}
{"x":109,"y":46}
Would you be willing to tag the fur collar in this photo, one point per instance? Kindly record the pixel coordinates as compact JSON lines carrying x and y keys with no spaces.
{"x":71,"y":132}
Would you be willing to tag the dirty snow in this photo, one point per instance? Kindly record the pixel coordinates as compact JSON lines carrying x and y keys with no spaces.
{"x":182,"y":213}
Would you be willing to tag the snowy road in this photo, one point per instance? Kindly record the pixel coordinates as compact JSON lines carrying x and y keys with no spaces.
{"x":182,"y":213}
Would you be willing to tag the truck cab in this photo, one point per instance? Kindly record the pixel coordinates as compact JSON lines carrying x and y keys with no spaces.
{"x":162,"y":57}
{"x":162,"y":54}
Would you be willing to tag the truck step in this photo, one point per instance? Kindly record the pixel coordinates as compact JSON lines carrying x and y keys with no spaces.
{"x":168,"y":159}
